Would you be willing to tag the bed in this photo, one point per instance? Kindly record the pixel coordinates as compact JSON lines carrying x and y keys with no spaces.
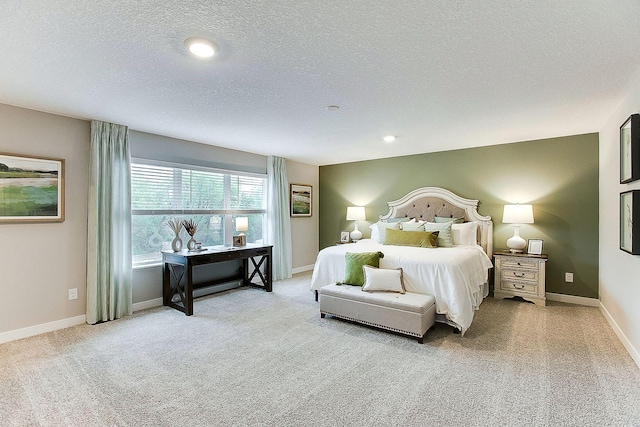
{"x":456,"y":276}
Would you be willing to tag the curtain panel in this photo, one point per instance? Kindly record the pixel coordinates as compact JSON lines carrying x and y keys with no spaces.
{"x":279,"y":222}
{"x":109,"y":271}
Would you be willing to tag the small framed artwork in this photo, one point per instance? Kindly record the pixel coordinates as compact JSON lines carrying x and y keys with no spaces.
{"x":240,"y":240}
{"x":301,"y":203}
{"x":535,"y":246}
{"x":31,"y":189}
{"x":630,"y":149}
{"x":630,"y":215}
{"x":344,"y":237}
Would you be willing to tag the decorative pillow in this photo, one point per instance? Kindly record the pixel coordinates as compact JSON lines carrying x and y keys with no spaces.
{"x":413,"y":226}
{"x":452,"y":220}
{"x":444,"y":237}
{"x":383,"y":227}
{"x":382,"y":280}
{"x":375,"y":234}
{"x":465,"y":234}
{"x":404,"y":219}
{"x":419,"y":239}
{"x":353,"y":274}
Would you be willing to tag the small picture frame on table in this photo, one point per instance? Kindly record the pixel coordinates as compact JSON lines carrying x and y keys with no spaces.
{"x":630,"y":215}
{"x":630,"y":149}
{"x":240,"y":240}
{"x":344,"y":237}
{"x":534,"y":246}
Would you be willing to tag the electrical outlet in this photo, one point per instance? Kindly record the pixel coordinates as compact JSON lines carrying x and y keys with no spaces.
{"x":73,"y":294}
{"x":568,"y":277}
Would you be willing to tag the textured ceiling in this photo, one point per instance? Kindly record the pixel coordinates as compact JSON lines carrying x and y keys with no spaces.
{"x":440,"y":75}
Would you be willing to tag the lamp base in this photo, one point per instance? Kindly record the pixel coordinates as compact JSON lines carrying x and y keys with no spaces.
{"x":356,"y":234}
{"x":516,"y":244}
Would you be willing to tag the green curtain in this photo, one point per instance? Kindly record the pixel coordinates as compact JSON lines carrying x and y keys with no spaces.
{"x":278,"y":220}
{"x":109,"y":271}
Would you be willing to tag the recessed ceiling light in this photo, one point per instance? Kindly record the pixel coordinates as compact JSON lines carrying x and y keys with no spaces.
{"x":389,"y":138}
{"x":202,"y":48}
{"x":333,"y":107}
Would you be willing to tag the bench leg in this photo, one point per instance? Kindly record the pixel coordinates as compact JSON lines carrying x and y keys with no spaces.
{"x":322,"y":315}
{"x":316,"y":295}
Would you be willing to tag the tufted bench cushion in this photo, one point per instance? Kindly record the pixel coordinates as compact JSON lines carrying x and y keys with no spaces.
{"x":409,"y":313}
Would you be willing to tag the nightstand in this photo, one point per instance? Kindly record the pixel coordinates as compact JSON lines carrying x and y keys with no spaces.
{"x":520,"y":275}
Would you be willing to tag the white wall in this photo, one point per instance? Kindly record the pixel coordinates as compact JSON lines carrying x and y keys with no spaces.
{"x":619,"y":271}
{"x":305,"y":230}
{"x":40,"y":262}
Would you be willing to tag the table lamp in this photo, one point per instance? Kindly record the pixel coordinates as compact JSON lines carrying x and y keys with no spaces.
{"x":242,"y":225}
{"x":516,"y":215}
{"x":356,"y":213}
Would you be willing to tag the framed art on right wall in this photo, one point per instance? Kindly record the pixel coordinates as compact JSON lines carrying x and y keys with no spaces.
{"x":630,"y":215}
{"x":630,"y":149}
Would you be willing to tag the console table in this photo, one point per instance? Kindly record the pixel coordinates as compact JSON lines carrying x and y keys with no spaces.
{"x":177,"y":271}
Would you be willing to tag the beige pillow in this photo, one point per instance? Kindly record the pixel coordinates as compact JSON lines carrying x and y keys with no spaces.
{"x":382,"y":280}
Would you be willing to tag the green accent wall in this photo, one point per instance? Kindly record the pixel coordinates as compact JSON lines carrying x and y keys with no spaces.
{"x":558,"y":176}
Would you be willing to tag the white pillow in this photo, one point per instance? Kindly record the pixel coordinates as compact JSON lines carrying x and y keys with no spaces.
{"x":465,"y":233}
{"x":413,"y":225}
{"x":379,"y":228}
{"x":382,"y":280}
{"x":375,"y":234}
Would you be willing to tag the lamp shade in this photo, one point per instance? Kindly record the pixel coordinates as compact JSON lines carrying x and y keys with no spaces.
{"x":242,"y":223}
{"x":356,"y":213}
{"x":517,"y":214}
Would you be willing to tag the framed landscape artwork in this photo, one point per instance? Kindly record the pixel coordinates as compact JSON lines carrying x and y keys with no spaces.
{"x":300,"y":200}
{"x":31,"y":189}
{"x":630,"y":149}
{"x":629,"y":216}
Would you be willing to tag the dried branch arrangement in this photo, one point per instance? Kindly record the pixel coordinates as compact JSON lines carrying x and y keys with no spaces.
{"x":175,"y":225}
{"x":190,"y":226}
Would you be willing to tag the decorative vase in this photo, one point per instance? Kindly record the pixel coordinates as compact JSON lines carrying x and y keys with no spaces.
{"x":191,"y":243}
{"x":176,"y":244}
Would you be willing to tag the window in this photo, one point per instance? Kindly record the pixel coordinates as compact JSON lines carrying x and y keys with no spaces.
{"x":213,"y":198}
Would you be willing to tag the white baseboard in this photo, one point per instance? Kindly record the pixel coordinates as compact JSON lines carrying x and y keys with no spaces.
{"x":302,"y":269}
{"x":41,"y":329}
{"x":572,"y":299}
{"x":157,"y":302}
{"x":635,"y":355}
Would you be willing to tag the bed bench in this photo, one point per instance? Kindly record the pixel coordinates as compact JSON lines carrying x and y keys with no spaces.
{"x":409,"y":313}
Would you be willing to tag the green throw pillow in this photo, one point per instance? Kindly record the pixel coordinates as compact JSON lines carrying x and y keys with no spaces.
{"x":353,"y":274}
{"x":419,"y":239}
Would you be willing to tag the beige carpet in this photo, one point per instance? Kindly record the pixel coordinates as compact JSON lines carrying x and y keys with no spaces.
{"x":250,"y":358}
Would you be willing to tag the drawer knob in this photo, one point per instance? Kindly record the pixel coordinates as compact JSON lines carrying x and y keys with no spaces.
{"x":518,"y":275}
{"x":518,"y":287}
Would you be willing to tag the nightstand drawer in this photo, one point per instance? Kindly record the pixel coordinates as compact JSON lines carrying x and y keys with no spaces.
{"x":521,"y":274}
{"x":520,"y":287}
{"x":520,"y":264}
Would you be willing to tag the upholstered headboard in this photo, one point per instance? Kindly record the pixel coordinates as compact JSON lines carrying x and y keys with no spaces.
{"x":428,"y":202}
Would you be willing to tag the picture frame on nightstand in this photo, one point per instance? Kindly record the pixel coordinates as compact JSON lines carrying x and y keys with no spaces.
{"x":630,"y":149}
{"x":534,"y":246}
{"x":630,"y":215}
{"x":344,"y":237}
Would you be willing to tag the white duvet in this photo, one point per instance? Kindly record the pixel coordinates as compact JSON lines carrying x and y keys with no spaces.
{"x":453,"y":276}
